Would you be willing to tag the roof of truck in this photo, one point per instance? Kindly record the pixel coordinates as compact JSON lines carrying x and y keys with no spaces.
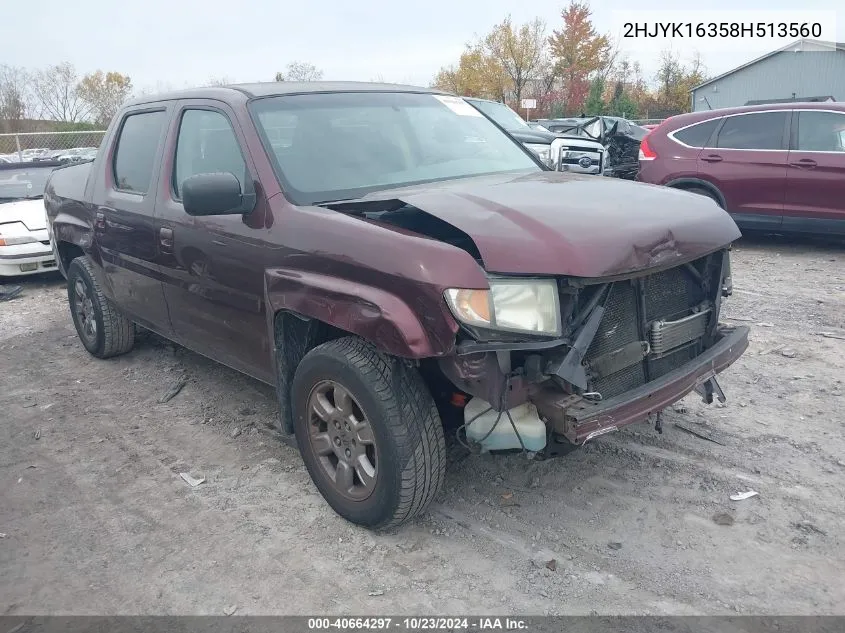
{"x":273,"y":88}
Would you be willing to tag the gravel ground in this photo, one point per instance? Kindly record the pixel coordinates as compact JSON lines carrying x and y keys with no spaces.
{"x":96,"y":520}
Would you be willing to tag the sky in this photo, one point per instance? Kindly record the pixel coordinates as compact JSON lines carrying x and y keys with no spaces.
{"x":181,"y":43}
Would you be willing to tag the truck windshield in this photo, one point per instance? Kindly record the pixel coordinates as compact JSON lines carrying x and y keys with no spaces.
{"x":502,"y":115}
{"x":338,"y":146}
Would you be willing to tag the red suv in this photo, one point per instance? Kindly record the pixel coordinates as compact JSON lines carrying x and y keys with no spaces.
{"x":772,"y":167}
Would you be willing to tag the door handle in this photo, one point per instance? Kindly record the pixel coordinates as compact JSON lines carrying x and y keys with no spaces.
{"x":807,"y":163}
{"x":165,"y":240}
{"x":100,"y":222}
{"x":712,"y":158}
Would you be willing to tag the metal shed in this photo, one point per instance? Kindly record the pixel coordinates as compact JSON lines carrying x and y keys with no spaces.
{"x":800,"y":71}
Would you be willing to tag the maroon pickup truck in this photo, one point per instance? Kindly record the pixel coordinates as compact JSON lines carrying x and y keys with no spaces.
{"x":391,"y":261}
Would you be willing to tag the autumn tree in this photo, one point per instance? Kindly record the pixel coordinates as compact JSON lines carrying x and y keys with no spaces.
{"x":300,"y":71}
{"x":579,"y":52}
{"x":476,"y":75}
{"x":56,"y":94}
{"x":104,"y":93}
{"x":519,"y":52}
{"x":14,"y":97}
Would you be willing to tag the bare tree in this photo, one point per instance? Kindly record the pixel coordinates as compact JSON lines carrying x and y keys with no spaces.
{"x":56,"y":92}
{"x":300,"y":71}
{"x":14,"y":97}
{"x":219,"y":81}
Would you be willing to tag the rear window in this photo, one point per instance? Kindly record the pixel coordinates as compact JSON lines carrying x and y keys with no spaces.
{"x":763,"y":130}
{"x":135,"y":156}
{"x":697,"y":135}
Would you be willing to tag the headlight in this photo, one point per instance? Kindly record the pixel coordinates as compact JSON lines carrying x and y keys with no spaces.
{"x":544,"y":152}
{"x":511,"y":305}
{"x":13,"y":233}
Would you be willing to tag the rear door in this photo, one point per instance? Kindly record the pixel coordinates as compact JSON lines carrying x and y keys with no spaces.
{"x":213,"y":266}
{"x":747,"y":162}
{"x":124,"y":200}
{"x":815,"y":184}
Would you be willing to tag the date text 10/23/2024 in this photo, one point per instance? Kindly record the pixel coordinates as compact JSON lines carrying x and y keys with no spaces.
{"x":418,"y":624}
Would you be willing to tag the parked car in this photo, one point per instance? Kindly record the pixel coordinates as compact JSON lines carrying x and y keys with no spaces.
{"x":400,"y":262}
{"x":560,"y":152}
{"x":620,"y":138}
{"x":77,"y":154}
{"x":776,"y":167}
{"x":24,"y":242}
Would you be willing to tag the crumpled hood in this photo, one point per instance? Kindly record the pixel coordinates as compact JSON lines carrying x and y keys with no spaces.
{"x":549,"y":223}
{"x":30,"y":212}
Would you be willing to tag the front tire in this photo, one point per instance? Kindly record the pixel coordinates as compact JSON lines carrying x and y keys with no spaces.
{"x":368,"y":431}
{"x":103,"y":330}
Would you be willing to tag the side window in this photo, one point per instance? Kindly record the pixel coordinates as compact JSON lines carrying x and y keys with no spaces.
{"x":762,"y":130}
{"x":821,"y":131}
{"x":135,"y":155}
{"x":697,"y":135}
{"x":206,"y":145}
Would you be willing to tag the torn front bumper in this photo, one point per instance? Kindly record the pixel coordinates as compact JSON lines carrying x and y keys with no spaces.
{"x":579,"y":420}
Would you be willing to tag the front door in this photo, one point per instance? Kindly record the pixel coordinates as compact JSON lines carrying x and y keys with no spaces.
{"x":123,"y":225}
{"x":747,"y":162}
{"x":815,"y":184}
{"x":213,"y":266}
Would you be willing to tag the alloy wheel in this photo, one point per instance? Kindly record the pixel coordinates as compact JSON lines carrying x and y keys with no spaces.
{"x":342,"y":440}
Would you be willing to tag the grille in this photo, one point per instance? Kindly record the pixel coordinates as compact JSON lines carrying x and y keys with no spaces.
{"x":668,"y":295}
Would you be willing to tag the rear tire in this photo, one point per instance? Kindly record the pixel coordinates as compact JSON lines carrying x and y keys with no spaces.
{"x":103,"y":330}
{"x":389,"y":464}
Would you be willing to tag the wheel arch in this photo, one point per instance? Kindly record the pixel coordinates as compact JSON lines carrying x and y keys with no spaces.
{"x":700,"y":183}
{"x":307,"y":309}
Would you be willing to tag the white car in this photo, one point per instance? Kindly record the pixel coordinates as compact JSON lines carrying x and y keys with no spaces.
{"x":24,"y":243}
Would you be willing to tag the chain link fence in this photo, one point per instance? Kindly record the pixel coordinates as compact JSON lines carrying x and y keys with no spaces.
{"x":60,"y":147}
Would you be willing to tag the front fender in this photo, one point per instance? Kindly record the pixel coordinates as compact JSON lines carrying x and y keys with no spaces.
{"x":375,"y":314}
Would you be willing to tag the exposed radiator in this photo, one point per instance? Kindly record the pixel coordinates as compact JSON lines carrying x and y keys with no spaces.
{"x":667,"y":335}
{"x":675,"y":322}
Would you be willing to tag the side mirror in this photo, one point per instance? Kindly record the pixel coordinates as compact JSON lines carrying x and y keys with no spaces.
{"x":215,"y":194}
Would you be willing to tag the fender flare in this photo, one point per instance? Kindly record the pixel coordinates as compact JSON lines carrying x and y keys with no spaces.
{"x":375,"y":314}
{"x":682,"y":183}
{"x":70,"y":229}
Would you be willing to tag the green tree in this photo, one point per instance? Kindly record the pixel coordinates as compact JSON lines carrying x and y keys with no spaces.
{"x":595,"y":105}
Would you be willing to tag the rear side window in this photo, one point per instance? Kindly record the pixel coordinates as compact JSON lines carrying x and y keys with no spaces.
{"x":697,"y":135}
{"x":762,"y":130}
{"x":821,"y":131}
{"x":135,"y":156}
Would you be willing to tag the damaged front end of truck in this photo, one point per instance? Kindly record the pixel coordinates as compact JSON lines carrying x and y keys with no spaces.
{"x":601,"y":308}
{"x":629,"y":347}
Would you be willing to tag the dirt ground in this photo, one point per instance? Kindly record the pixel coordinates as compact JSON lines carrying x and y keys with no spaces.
{"x":96,"y":520}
